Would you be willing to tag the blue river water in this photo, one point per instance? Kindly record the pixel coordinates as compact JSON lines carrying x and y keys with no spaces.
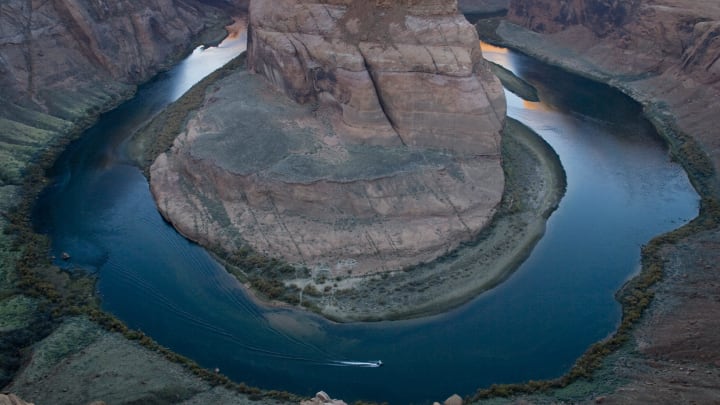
{"x":622,"y":190}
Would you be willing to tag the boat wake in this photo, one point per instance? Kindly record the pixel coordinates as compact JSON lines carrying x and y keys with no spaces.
{"x":375,"y":363}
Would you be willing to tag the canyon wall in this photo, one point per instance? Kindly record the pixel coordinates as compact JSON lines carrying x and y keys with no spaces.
{"x":62,"y":61}
{"x":664,"y":53}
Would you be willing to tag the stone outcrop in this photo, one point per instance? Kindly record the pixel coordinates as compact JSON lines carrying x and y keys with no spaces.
{"x":62,"y":61}
{"x":381,"y":150}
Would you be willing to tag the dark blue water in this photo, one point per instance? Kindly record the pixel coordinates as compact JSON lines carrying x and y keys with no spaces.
{"x":622,"y":190}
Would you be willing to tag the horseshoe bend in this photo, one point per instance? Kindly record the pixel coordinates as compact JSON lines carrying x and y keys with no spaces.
{"x":351,"y":147}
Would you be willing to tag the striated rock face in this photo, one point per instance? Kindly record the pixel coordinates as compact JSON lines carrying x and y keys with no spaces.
{"x":368,"y":141}
{"x":651,"y":36}
{"x":62,"y":60}
{"x":400,"y":72}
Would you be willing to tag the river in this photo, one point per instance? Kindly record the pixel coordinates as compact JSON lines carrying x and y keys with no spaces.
{"x":622,"y":190}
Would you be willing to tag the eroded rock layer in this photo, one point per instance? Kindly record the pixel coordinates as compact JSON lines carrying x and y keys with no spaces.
{"x":385,"y":154}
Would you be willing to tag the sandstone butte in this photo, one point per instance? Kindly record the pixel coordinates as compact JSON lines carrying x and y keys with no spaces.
{"x":386,"y":151}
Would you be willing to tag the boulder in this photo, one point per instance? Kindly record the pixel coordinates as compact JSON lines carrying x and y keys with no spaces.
{"x":454,"y":399}
{"x":322,"y":398}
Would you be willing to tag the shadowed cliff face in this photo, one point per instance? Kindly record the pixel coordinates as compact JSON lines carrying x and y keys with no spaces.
{"x":63,"y":60}
{"x":669,"y":33}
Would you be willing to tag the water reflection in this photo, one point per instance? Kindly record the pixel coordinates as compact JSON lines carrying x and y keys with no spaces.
{"x":196,"y":66}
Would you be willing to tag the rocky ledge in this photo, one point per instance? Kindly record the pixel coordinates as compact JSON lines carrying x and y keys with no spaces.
{"x":368,"y":140}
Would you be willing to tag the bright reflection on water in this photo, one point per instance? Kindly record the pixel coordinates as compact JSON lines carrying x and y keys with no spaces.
{"x":622,"y":190}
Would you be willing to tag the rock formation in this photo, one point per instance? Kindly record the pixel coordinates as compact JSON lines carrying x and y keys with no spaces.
{"x":321,"y":398}
{"x":400,"y":72}
{"x":382,"y":149}
{"x":61,"y":61}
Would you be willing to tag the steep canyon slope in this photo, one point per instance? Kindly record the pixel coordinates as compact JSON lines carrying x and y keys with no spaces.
{"x":372,"y":144}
